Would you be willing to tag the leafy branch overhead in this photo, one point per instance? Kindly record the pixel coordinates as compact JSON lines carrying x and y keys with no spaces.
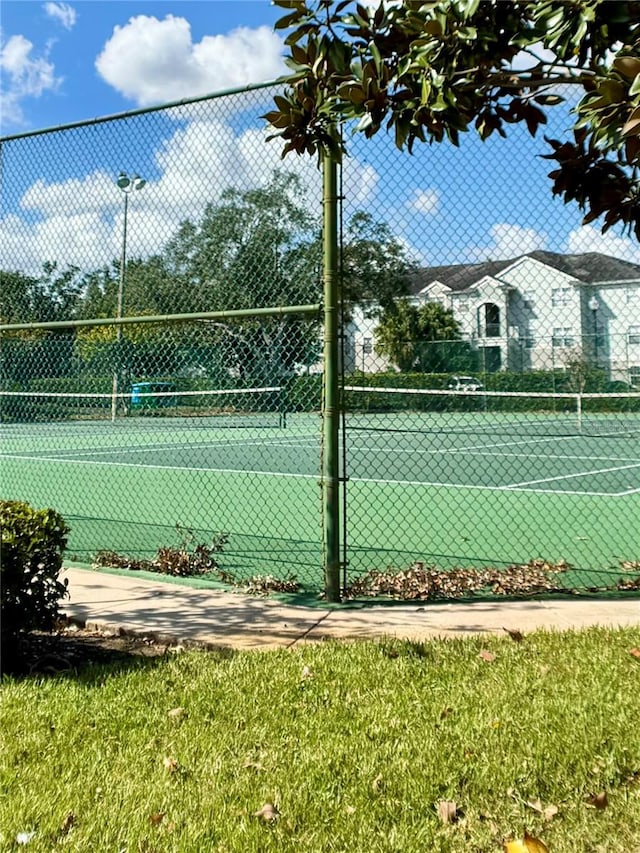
{"x":429,"y":71}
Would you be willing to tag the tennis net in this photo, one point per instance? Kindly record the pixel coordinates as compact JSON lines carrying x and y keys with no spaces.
{"x":510,"y":412}
{"x":228,"y":407}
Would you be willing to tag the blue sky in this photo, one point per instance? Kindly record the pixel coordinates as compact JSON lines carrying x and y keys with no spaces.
{"x":64,"y":62}
{"x":77,"y":60}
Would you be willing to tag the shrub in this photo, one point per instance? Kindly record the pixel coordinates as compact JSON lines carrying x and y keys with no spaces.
{"x":32,"y":544}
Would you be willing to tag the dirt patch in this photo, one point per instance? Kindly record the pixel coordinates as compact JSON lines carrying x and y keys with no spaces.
{"x":71,"y":648}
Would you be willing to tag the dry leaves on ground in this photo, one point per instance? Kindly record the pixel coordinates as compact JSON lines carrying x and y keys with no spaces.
{"x":269,"y":813}
{"x":421,"y":581}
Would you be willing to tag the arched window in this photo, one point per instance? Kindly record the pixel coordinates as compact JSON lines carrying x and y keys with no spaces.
{"x":489,"y":320}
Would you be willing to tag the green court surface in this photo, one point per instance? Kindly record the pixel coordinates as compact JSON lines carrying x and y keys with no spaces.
{"x":455,"y":497}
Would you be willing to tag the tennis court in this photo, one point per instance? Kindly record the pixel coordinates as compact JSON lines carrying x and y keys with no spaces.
{"x":448,"y":488}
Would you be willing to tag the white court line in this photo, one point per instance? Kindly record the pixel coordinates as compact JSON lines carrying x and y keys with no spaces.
{"x":570,"y":476}
{"x":464,"y":486}
{"x":469,"y":487}
{"x":159,"y":467}
{"x":122,"y":451}
{"x":442,"y":451}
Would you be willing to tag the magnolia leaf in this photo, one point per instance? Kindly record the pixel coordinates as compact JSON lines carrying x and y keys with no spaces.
{"x":635,"y":652}
{"x":306,"y":672}
{"x":487,"y":656}
{"x":170,"y":764}
{"x":528,"y":844}
{"x":269,"y":813}
{"x":599,"y":801}
{"x":176,"y":713}
{"x":516,"y":636}
{"x":156,"y":818}
{"x":447,"y":811}
{"x":628,"y":66}
{"x":547,"y":812}
{"x":68,"y":823}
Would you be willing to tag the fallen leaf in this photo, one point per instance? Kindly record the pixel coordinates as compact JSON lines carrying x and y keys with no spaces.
{"x":528,"y":844}
{"x":156,"y":818}
{"x":550,"y":812}
{"x":487,"y":656}
{"x":547,"y":812}
{"x":170,"y":764}
{"x":306,"y":672}
{"x":176,"y":713}
{"x":67,"y":823}
{"x":253,"y":765}
{"x":516,"y":636}
{"x":447,"y":811}
{"x":350,"y":810}
{"x":268,"y":813}
{"x":599,"y":801}
{"x":377,"y":782}
{"x":23,"y":838}
{"x":635,"y":652}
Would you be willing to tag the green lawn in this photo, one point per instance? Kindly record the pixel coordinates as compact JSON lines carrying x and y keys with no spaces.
{"x":354,"y":745}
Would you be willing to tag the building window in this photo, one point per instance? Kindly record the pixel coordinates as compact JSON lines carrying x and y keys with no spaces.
{"x":489,"y":321}
{"x":529,"y":342}
{"x":528,"y":299}
{"x":367,"y":346}
{"x":560,"y":296}
{"x":634,"y":335}
{"x":634,"y":376}
{"x":563,"y":337}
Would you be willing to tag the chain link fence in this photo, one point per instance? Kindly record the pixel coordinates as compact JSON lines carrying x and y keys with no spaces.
{"x":491,"y":436}
{"x":489,"y":364}
{"x":166,"y":433}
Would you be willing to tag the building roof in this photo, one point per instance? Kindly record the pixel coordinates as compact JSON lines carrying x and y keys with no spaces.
{"x":588,"y":268}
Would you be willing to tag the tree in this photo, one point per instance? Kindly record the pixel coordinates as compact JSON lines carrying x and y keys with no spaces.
{"x":426,"y":338}
{"x":429,"y":71}
{"x":261,"y":247}
{"x":51,"y":295}
{"x":375,"y":266}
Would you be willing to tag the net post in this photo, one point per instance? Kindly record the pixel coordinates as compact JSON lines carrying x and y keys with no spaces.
{"x":330,"y":399}
{"x":579,"y":411}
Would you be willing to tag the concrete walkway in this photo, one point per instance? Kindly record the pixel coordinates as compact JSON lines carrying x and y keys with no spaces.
{"x":180,"y":615}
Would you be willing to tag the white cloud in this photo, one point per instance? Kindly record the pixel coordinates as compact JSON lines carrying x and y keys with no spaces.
{"x":62,"y":12}
{"x":425,"y":201}
{"x":24,"y":75}
{"x":150,"y":61}
{"x":509,"y":241}
{"x":79,"y":221}
{"x":590,"y":239}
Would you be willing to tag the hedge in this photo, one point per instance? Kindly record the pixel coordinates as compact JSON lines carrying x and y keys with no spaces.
{"x":32,"y":545}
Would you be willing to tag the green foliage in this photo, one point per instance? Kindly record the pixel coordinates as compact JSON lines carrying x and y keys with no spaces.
{"x":431,"y":71}
{"x":50,"y":296}
{"x":33,"y":542}
{"x":304,"y":394}
{"x":424,"y":338}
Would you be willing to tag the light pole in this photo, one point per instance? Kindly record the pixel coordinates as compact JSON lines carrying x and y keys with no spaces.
{"x":593,"y":307}
{"x":128,"y":184}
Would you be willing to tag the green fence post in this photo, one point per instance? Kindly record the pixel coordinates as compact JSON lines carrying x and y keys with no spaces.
{"x":330,"y":401}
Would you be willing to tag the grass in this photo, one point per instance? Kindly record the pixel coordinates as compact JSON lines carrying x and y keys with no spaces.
{"x":354,"y":745}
